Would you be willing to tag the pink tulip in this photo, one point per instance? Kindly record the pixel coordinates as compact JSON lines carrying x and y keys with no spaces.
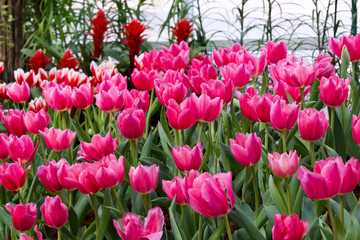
{"x":248,"y":103}
{"x":246,"y":149}
{"x":13,"y":175}
{"x":14,"y":122}
{"x":144,"y":179}
{"x":18,"y":92}
{"x":323,"y":67}
{"x":175,"y":58}
{"x":179,"y":187}
{"x":284,"y":165}
{"x":281,"y":89}
{"x":48,"y":175}
{"x":201,"y":72}
{"x":99,"y":147}
{"x":58,"y":97}
{"x":289,"y":227}
{"x":4,"y":146}
{"x":170,"y":90}
{"x":258,"y":64}
{"x":54,"y":212}
{"x":105,"y":67}
{"x":223,"y":56}
{"x":37,"y":104}
{"x":299,"y":76}
{"x":82,"y":96}
{"x":351,"y":43}
{"x":334,"y":90}
{"x":36,"y":121}
{"x":110,"y":101}
{"x":275,"y":51}
{"x":23,"y":215}
{"x":356,"y":129}
{"x":136,"y":99}
{"x":3,"y":91}
{"x":283,"y":116}
{"x":222,"y":89}
{"x":134,"y":229}
{"x":57,"y":139}
{"x":75,"y":79}
{"x":143,"y":80}
{"x":29,"y":77}
{"x":239,"y":74}
{"x":210,"y":196}
{"x":87,"y":179}
{"x":111,"y":171}
{"x":312,"y":124}
{"x":131,"y":123}
{"x":179,"y":116}
{"x":324,"y":183}
{"x":205,"y":109}
{"x":69,"y":176}
{"x":186,"y":158}
{"x":22,"y":149}
{"x":23,"y":236}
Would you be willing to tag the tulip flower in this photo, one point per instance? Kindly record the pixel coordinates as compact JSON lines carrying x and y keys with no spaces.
{"x":13,"y":175}
{"x":205,"y":109}
{"x":299,"y":76}
{"x":75,"y":79}
{"x":222,"y":57}
{"x":239,"y":74}
{"x":351,"y":43}
{"x":68,"y":176}
{"x":23,"y":236}
{"x":248,"y":103}
{"x":186,"y":158}
{"x":110,"y":172}
{"x":323,"y":67}
{"x":23,"y":215}
{"x":36,"y":121}
{"x":22,"y":149}
{"x":37,"y":104}
{"x":275,"y":51}
{"x":176,"y":57}
{"x":201,"y":72}
{"x":28,"y":77}
{"x":143,"y":80}
{"x":144,"y":179}
{"x":312,"y":124}
{"x":14,"y":122}
{"x":18,"y":92}
{"x":38,"y":61}
{"x":4,"y":146}
{"x":222,"y":89}
{"x":258,"y":64}
{"x":136,"y":99}
{"x":134,"y":229}
{"x":99,"y":147}
{"x":3,"y":91}
{"x":210,"y":196}
{"x":54,"y":212}
{"x":110,"y":100}
{"x":82,"y":97}
{"x":289,"y":227}
{"x":284,"y":165}
{"x":58,"y":97}
{"x":246,"y":149}
{"x":334,"y":90}
{"x":168,"y":90}
{"x":179,"y":116}
{"x":105,"y":68}
{"x":356,"y":129}
{"x":48,"y":175}
{"x":131,"y":123}
{"x":57,"y":139}
{"x":182,"y":30}
{"x":283,"y":116}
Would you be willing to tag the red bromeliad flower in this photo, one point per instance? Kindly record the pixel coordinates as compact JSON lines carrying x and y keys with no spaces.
{"x":69,"y":61}
{"x":182,"y":30}
{"x":99,"y":27}
{"x":39,"y":60}
{"x":134,"y":37}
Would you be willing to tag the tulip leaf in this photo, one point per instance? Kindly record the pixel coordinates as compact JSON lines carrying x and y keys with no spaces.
{"x":178,"y":234}
{"x":236,"y":167}
{"x":353,"y":232}
{"x":276,"y":193}
{"x":66,"y":234}
{"x":82,"y":206}
{"x":33,"y":186}
{"x":339,"y":135}
{"x":165,"y":142}
{"x":82,"y":135}
{"x":217,"y":233}
{"x":146,"y":149}
{"x":5,"y":218}
{"x":271,"y":211}
{"x":351,"y":200}
{"x":105,"y":216}
{"x":165,"y":126}
{"x":91,"y":229}
{"x":345,"y":62}
{"x":48,"y":48}
{"x":74,"y":221}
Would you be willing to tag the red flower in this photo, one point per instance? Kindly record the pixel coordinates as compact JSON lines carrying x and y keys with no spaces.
{"x":69,"y":61}
{"x":99,"y":27}
{"x":182,"y":30}
{"x":39,"y":60}
{"x":134,"y":37}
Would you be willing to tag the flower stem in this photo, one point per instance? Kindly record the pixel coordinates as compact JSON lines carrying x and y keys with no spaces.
{"x":342,"y":209}
{"x":201,"y":217}
{"x":110,"y":121}
{"x":267,"y":137}
{"x":332,"y":118}
{"x":42,"y":148}
{"x":114,"y":195}
{"x":288,"y":195}
{"x":256,"y":190}
{"x":96,"y":213}
{"x":245,"y":182}
{"x":332,"y":219}
{"x":312,"y":152}
{"x":228,"y":230}
{"x":147,"y":201}
{"x":233,"y":115}
{"x":283,"y":135}
{"x":182,"y":215}
{"x":59,"y":234}
{"x":133,"y":153}
{"x":302,"y":98}
{"x":148,"y":114}
{"x":200,"y":131}
{"x":21,"y":199}
{"x":182,"y":137}
{"x":89,"y":120}
{"x":176,"y":135}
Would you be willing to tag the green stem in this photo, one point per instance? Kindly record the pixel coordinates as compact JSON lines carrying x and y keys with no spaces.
{"x":228,"y":230}
{"x":89,"y":120}
{"x":133,"y":153}
{"x":342,"y":209}
{"x":267,"y":137}
{"x":201,"y":217}
{"x":233,"y":115}
{"x":283,"y":135}
{"x":59,"y":234}
{"x":147,"y":201}
{"x":332,"y":118}
{"x":218,"y":136}
{"x":70,"y":198}
{"x":245,"y":182}
{"x":256,"y":190}
{"x":182,"y":137}
{"x":183,"y":207}
{"x":200,"y":131}
{"x":288,"y":195}
{"x":254,"y":82}
{"x":21,"y":199}
{"x":312,"y":152}
{"x":302,"y":98}
{"x":110,"y":122}
{"x":115,"y":196}
{"x":333,"y":224}
{"x":63,"y":120}
{"x":58,"y":154}
{"x":176,"y":135}
{"x":96,"y":213}
{"x":42,"y":148}
{"x":148,"y":114}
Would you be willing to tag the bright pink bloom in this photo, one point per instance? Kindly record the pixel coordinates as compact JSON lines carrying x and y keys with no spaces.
{"x":187,"y":159}
{"x":36,"y":121}
{"x":182,"y":30}
{"x":258,"y":64}
{"x":14,"y":122}
{"x":352,"y":44}
{"x":179,"y":116}
{"x":175,"y":58}
{"x":281,"y":89}
{"x":131,"y":123}
{"x":334,"y":90}
{"x":111,"y":171}
{"x":246,"y":149}
{"x":13,"y":175}
{"x":58,"y":97}
{"x":23,"y":236}
{"x":275,"y":51}
{"x":105,"y":67}
{"x":69,"y":176}
{"x":99,"y":27}
{"x":248,"y":103}
{"x":99,"y":148}
{"x":109,"y":97}
{"x":22,"y":149}
{"x":134,"y":229}
{"x":37,"y":104}
{"x":48,"y":175}
{"x":284,"y":165}
{"x":299,"y":76}
{"x":222,"y":89}
{"x":4,"y":146}
{"x":143,"y":80}
{"x":210,"y":196}
{"x":312,"y":124}
{"x":23,"y":215}
{"x":57,"y":139}
{"x":289,"y":227}
{"x":283,"y":116}
{"x":83,"y":96}
{"x":201,"y":72}
{"x":179,"y":187}
{"x":29,"y":77}
{"x":3,"y":91}
{"x":18,"y":92}
{"x":69,"y":61}
{"x":323,"y":67}
{"x":136,"y":99}
{"x":239,"y":74}
{"x":54,"y":212}
{"x":225,"y":56}
{"x":144,"y":179}
{"x":324,"y":183}
{"x":205,"y":109}
{"x":356,"y":129}
{"x":39,"y":60}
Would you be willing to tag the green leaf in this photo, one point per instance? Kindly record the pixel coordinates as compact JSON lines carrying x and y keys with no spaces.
{"x":276,"y":194}
{"x":105,"y":216}
{"x":89,"y":231}
{"x":164,"y":172}
{"x":345,"y":62}
{"x":145,"y":151}
{"x":5,"y":218}
{"x":217,"y":234}
{"x":49,"y":48}
{"x":178,"y":234}
{"x":74,"y":221}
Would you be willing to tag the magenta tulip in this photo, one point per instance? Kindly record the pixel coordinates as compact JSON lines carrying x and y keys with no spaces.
{"x":275,"y":51}
{"x":239,"y":74}
{"x":222,"y":89}
{"x":14,"y":122}
{"x":289,"y":227}
{"x":246,"y":149}
{"x":299,"y":75}
{"x":48,"y":175}
{"x":57,"y":139}
{"x":58,"y":97}
{"x":179,"y":116}
{"x":312,"y":124}
{"x":284,"y":165}
{"x":205,"y":109}
{"x":36,"y":121}
{"x":356,"y":129}
{"x":4,"y":146}
{"x":111,"y":171}
{"x":13,"y":175}
{"x":144,"y":179}
{"x":334,"y":90}
{"x":54,"y":212}
{"x":37,"y":104}
{"x":144,"y":81}
{"x":22,"y":149}
{"x":283,"y":116}
{"x":23,"y":236}
{"x":82,"y":96}
{"x":187,"y":159}
{"x":23,"y":215}
{"x":18,"y":92}
{"x":131,"y":123}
